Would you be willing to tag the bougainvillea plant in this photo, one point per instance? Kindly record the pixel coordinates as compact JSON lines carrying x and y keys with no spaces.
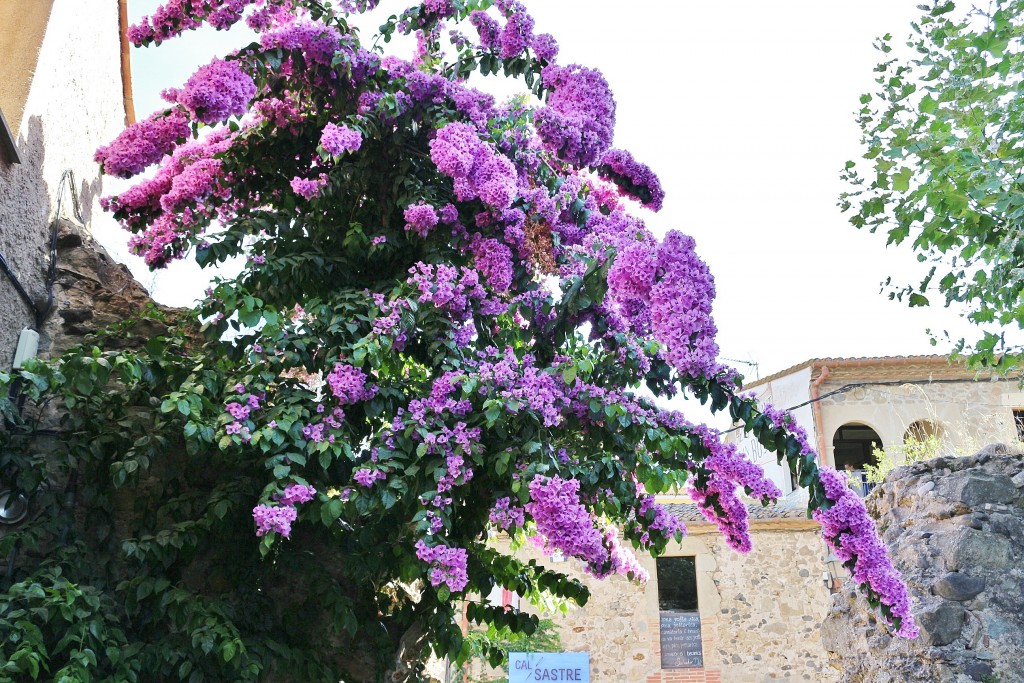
{"x":452,"y":321}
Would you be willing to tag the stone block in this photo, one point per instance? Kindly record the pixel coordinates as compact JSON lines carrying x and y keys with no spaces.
{"x":959,"y":587}
{"x":977,"y":487}
{"x":941,"y":623}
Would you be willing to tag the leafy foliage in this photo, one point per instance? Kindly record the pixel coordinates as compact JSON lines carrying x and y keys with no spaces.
{"x":943,"y":167}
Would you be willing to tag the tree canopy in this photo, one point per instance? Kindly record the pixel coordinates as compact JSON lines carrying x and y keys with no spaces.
{"x":452,"y":321}
{"x":943,"y":165}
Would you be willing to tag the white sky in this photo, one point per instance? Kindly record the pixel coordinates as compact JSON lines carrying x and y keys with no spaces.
{"x":745,"y":110}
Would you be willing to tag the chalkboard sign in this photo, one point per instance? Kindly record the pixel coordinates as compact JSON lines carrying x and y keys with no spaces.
{"x":680,"y":640}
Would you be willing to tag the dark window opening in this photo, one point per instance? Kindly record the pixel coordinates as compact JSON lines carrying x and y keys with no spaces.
{"x":1018,"y":421}
{"x":677,"y":583}
{"x":853,"y":444}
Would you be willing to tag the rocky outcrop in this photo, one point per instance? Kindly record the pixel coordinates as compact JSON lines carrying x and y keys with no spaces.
{"x":92,"y":292}
{"x":955,"y":528}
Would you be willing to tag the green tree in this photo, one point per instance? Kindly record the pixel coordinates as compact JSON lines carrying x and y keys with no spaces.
{"x":448,"y":310}
{"x":943,"y":166}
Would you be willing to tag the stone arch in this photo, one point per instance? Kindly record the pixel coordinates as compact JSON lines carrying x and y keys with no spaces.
{"x":853,"y":443}
{"x":920,"y":430}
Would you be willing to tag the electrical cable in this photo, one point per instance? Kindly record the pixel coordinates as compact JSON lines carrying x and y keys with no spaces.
{"x":39,"y":315}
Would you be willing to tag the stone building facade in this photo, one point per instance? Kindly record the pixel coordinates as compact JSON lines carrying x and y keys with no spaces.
{"x":847,"y":405}
{"x":760,"y":614}
{"x":64,"y":91}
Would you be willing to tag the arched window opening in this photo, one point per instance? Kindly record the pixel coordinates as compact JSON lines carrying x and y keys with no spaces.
{"x":853,"y":446}
{"x":922,"y":430}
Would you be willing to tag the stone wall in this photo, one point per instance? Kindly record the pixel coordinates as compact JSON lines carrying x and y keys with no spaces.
{"x":955,"y":528}
{"x":760,"y":613}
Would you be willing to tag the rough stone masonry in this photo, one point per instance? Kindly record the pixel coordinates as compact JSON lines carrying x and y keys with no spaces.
{"x":955,"y":528}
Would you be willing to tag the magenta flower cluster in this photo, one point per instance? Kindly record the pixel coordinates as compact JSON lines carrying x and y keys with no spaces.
{"x":476,"y":168}
{"x":420,"y":218}
{"x":144,"y":143}
{"x":504,"y":515}
{"x":317,"y":41}
{"x":716,"y":489}
{"x":177,"y":16}
{"x":308,"y":188}
{"x":851,"y":534}
{"x":633,"y":178}
{"x":447,"y":565}
{"x":579,"y":120}
{"x":337,"y":140}
{"x":276,"y":518}
{"x":217,"y":91}
{"x":564,"y":524}
{"x":348,"y":384}
{"x":279,"y":518}
{"x":448,"y":288}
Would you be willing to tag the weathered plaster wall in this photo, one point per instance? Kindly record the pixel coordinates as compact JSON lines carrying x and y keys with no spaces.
{"x":789,"y":390}
{"x":74,"y":105}
{"x":969,"y":414}
{"x":761,"y":613}
{"x":22,"y":25}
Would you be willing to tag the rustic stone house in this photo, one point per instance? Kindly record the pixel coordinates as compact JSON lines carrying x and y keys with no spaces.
{"x":849,"y":406}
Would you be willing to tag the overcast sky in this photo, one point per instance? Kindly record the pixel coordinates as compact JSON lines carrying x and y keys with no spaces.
{"x":745,"y":110}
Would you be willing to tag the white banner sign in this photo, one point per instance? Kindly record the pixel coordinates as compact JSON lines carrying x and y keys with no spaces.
{"x":528,"y":667}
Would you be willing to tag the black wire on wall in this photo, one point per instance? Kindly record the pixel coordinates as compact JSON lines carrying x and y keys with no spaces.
{"x":40,"y":313}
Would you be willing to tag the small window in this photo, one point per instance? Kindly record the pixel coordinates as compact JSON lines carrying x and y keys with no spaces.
{"x":677,"y":583}
{"x":681,"y":644}
{"x":1018,"y":421}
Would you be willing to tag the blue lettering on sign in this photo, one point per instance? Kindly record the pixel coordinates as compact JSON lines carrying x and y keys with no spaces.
{"x":528,"y":667}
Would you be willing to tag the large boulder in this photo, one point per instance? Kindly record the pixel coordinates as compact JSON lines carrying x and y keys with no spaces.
{"x":955,"y":528}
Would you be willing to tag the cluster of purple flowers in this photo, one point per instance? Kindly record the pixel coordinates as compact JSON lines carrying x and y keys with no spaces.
{"x":177,"y":16}
{"x":505,"y":515}
{"x":279,"y":517}
{"x":518,"y":32}
{"x":494,"y":261}
{"x":307,"y":187}
{"x":681,"y":308}
{"x":717,"y":495}
{"x":217,"y":91}
{"x":448,"y":288}
{"x":367,"y":477}
{"x":564,"y":524}
{"x":348,"y":384}
{"x":144,"y":143}
{"x":633,"y":178}
{"x":447,"y":565}
{"x":478,"y":170}
{"x":487,"y":28}
{"x":656,"y":518}
{"x":850,"y":532}
{"x":420,"y":218}
{"x":317,"y":41}
{"x":579,"y":120}
{"x":337,"y":140}
{"x":276,"y":518}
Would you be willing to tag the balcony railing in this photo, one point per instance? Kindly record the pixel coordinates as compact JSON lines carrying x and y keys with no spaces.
{"x":858,"y":481}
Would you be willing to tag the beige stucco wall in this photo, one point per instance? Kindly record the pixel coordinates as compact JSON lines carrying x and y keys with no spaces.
{"x":760,"y":613}
{"x":73,"y":105}
{"x":783,"y":392}
{"x":969,"y":414}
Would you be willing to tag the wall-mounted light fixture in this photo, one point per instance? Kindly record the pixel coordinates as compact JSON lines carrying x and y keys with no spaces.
{"x":833,"y":574}
{"x":13,"y":508}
